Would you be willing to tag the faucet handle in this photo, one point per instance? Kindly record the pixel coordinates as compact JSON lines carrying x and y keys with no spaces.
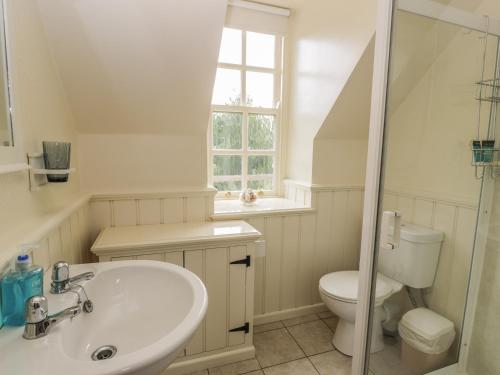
{"x":36,"y":309}
{"x":60,"y":272}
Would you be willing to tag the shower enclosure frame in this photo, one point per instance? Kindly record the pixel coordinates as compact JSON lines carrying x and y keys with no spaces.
{"x":448,"y":14}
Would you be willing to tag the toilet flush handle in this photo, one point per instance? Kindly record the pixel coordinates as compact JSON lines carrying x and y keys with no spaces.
{"x":390,"y":231}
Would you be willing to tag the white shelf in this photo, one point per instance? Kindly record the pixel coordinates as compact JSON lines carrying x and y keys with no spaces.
{"x":35,"y":155}
{"x":52,"y":171}
{"x":13,"y":168}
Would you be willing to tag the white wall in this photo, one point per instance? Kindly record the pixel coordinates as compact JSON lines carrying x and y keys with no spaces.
{"x":142,"y":162}
{"x":341,"y":144}
{"x":340,"y":161}
{"x":139,"y":77}
{"x":326,"y":41}
{"x":429,"y":132}
{"x":41,"y":112}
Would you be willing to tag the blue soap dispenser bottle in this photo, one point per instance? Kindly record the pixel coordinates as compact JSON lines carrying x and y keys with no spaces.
{"x":19,"y":284}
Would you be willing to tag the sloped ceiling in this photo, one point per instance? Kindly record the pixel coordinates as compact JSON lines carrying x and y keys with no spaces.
{"x":350,"y":114}
{"x":136,"y":66}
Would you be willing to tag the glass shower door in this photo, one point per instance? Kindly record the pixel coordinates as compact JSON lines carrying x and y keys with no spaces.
{"x":433,"y":172}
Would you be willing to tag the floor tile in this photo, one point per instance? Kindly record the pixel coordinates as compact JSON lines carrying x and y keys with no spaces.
{"x":332,"y":322}
{"x":331,"y":363}
{"x":275,"y":347}
{"x":237,"y":368}
{"x":300,"y":320}
{"x":267,"y":327}
{"x":300,"y":367}
{"x":202,"y":372}
{"x":313,"y":337}
{"x":258,"y":372}
{"x":388,"y":362}
{"x":325,"y":314}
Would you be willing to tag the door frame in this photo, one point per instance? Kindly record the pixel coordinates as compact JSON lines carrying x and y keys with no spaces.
{"x":381,"y":60}
{"x":373,"y":179}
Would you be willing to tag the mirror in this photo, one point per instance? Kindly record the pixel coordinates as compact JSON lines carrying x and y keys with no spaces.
{"x":6,"y":130}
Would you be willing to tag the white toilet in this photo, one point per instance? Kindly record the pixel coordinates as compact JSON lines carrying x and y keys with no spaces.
{"x":412,"y":263}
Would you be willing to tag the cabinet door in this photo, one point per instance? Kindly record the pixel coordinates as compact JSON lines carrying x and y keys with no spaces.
{"x":216,"y":281}
{"x":195,"y":262}
{"x":237,"y":294}
{"x":227,"y":297}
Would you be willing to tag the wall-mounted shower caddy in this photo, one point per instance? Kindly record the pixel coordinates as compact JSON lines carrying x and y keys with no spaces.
{"x":485,"y":154}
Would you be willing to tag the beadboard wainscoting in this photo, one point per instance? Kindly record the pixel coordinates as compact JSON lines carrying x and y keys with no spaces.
{"x":302,"y":247}
{"x":64,"y":235}
{"x":70,"y":241}
{"x":113,"y":210}
{"x":457,"y":219}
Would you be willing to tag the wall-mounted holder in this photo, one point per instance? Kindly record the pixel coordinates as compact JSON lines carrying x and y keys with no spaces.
{"x":488,"y":90}
{"x":13,"y":168}
{"x":38,"y":172}
{"x":485,"y":158}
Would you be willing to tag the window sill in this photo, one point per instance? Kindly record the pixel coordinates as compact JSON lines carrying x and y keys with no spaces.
{"x":230,"y":209}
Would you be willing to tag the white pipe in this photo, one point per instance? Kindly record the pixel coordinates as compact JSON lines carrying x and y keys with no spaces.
{"x":261,"y":7}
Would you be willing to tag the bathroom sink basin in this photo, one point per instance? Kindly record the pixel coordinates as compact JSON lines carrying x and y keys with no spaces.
{"x":145,"y":313}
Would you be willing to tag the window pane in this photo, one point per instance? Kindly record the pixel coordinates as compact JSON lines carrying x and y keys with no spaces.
{"x":227,"y":88}
{"x":260,"y":50}
{"x":260,"y":89}
{"x":228,"y":186}
{"x":230,"y":47}
{"x":227,"y":130}
{"x":260,"y":164}
{"x":260,"y":184}
{"x":227,"y":165}
{"x":261,"y":130}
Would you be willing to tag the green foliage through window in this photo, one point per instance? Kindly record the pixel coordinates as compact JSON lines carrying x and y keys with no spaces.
{"x":228,"y":186}
{"x":260,"y":164}
{"x":261,"y":132}
{"x":260,"y":184}
{"x":227,"y":165}
{"x":227,"y":130}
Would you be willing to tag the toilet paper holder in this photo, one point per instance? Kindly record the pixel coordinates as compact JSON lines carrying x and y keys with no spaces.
{"x":390,"y":230}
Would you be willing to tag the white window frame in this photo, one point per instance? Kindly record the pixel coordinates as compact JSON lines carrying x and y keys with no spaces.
{"x":276,"y":111}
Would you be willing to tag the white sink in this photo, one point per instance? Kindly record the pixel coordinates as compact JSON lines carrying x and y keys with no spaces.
{"x":148,"y":310}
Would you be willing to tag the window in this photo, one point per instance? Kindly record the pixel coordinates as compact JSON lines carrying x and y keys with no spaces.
{"x":244,"y":131}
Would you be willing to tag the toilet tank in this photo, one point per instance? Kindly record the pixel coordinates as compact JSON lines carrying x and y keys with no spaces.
{"x":415,"y":261}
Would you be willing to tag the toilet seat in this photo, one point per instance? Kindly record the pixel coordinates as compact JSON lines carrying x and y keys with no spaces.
{"x":343,"y":286}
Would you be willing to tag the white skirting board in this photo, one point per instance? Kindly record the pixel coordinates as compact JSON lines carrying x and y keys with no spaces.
{"x":448,"y":370}
{"x":208,"y":361}
{"x":288,"y":314}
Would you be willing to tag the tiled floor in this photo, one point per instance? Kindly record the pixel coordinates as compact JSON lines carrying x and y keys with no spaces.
{"x":388,"y":361}
{"x":298,"y":346}
{"x":303,"y":346}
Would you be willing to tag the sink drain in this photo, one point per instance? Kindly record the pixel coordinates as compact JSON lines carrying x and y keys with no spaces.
{"x":104,"y":352}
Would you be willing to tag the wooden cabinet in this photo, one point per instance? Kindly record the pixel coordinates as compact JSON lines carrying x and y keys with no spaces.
{"x":224,"y":263}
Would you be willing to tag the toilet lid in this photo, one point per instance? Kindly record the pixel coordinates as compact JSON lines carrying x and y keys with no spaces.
{"x":343,"y":286}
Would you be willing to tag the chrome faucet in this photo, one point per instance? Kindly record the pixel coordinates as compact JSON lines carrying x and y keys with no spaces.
{"x":61,"y":282}
{"x":38,"y":320}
